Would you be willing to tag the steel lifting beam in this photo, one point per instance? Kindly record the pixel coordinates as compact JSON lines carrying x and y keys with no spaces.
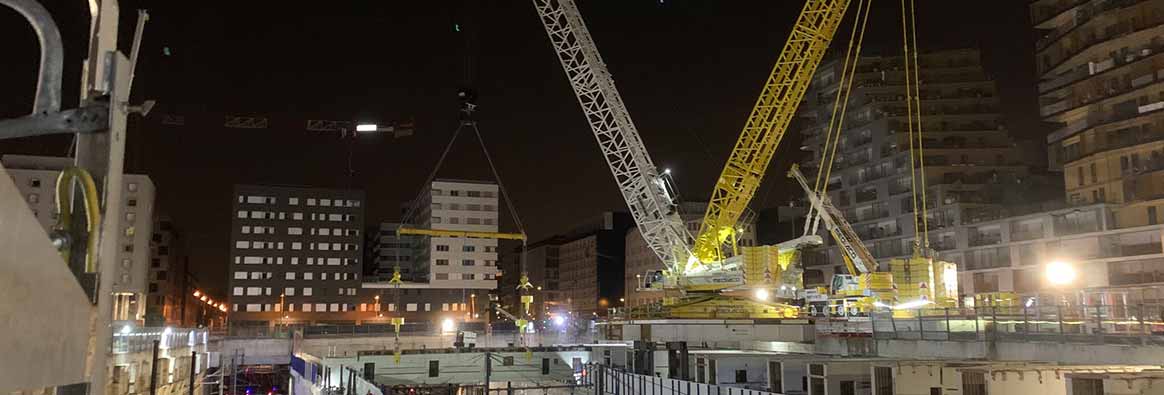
{"x":461,"y":233}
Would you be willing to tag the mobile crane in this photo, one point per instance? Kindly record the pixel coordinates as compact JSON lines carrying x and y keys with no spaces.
{"x":700,"y":267}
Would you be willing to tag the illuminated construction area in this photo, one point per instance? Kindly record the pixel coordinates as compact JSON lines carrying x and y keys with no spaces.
{"x":925,"y":254}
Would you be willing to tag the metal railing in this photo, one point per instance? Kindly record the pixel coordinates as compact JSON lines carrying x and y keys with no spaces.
{"x":1099,"y":324}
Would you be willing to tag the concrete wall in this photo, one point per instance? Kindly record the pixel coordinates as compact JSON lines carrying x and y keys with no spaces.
{"x":256,"y":351}
{"x":718,"y":334}
{"x":919,"y":379}
{"x":44,"y":314}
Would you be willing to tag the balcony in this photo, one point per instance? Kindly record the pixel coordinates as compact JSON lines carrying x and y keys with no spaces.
{"x":1079,"y":99}
{"x":982,"y":239}
{"x":1083,"y":15}
{"x":1026,"y":234}
{"x":1091,"y":69}
{"x":874,"y":232}
{"x":1050,"y":62}
{"x":1115,"y":140}
{"x":1043,"y":13}
{"x":1127,"y":250}
{"x":866,"y":195}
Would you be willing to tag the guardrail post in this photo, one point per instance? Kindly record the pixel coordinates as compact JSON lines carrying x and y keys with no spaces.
{"x":1098,"y":322}
{"x":994,"y":319}
{"x":893,"y":324}
{"x":976,"y":329}
{"x":1026,"y":321}
{"x":1143,"y":328}
{"x":947,"y":311}
{"x":1062,"y":334}
{"x":921,"y":326}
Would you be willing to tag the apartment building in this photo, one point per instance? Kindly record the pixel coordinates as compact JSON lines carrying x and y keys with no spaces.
{"x":1102,"y":85}
{"x":295,"y":255}
{"x":452,"y":262}
{"x":36,"y":178}
{"x":388,"y":251}
{"x":973,"y":170}
{"x":640,"y":259}
{"x":1115,"y":263}
{"x":168,"y":275}
{"x":543,"y":268}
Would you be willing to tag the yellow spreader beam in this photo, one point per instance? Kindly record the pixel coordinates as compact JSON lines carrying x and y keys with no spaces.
{"x":461,"y":233}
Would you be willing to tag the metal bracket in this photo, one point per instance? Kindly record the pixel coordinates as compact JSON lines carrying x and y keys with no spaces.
{"x":89,"y":119}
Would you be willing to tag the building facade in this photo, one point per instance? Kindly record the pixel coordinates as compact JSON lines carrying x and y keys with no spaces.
{"x":591,"y":260}
{"x":1101,"y":87}
{"x":36,"y":178}
{"x":295,"y":255}
{"x":387,"y":251}
{"x":452,"y":262}
{"x":973,"y":171}
{"x":543,"y":268}
{"x":640,"y":259}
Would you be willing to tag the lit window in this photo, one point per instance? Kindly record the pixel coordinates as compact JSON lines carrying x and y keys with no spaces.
{"x":306,"y":307}
{"x":132,"y":187}
{"x":242,"y":214}
{"x":428,"y":307}
{"x":325,"y":202}
{"x":256,"y":275}
{"x":444,"y":307}
{"x":240,"y":275}
{"x":468,"y":248}
{"x":238,"y":291}
{"x":307,"y":291}
{"x":130,"y":217}
{"x":254,"y":307}
{"x":310,"y":201}
{"x":293,"y":201}
{"x":295,"y":231}
{"x":297,"y":216}
{"x":410,"y":307}
{"x":308,"y":276}
{"x":289,"y":275}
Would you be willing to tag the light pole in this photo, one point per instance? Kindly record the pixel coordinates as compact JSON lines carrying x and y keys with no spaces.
{"x":379,"y":314}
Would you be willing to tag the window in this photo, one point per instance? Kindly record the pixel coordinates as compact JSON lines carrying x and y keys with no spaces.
{"x":335,"y":307}
{"x":246,"y":230}
{"x":323,"y":276}
{"x":130,"y":217}
{"x":33,"y":198}
{"x":486,"y":193}
{"x":436,"y":220}
{"x":1094,"y":176}
{"x":442,"y":262}
{"x":295,"y":245}
{"x":454,"y":220}
{"x":434,"y":368}
{"x":307,"y":291}
{"x":238,"y":291}
{"x":325,"y":202}
{"x":240,"y":275}
{"x":310,"y":201}
{"x":297,"y":216}
{"x":1152,"y":219}
{"x":308,"y":276}
{"x":442,"y":276}
{"x":294,"y":260}
{"x":242,"y":214}
{"x":454,"y":193}
{"x":335,"y":217}
{"x":306,"y":307}
{"x":442,"y":247}
{"x":1079,"y":174}
{"x":254,"y":291}
{"x":437,"y":192}
{"x":289,"y":291}
{"x":256,"y":275}
{"x":132,"y":203}
{"x":293,"y":201}
{"x":254,"y":307}
{"x":468,"y":248}
{"x":242,"y":244}
{"x":35,"y":183}
{"x":321,"y":307}
{"x":289,"y":276}
{"x":410,"y":307}
{"x":468,"y":262}
{"x":487,"y":221}
{"x":129,"y":247}
{"x":468,"y":276}
{"x":428,"y":307}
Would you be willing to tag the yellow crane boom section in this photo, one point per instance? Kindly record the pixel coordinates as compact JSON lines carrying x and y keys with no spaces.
{"x":461,"y":233}
{"x":777,"y":104}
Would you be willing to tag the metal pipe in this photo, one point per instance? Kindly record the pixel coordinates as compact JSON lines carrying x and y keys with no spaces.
{"x":52,"y":54}
{"x":153,"y":371}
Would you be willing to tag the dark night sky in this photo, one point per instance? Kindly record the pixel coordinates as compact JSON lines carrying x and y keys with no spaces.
{"x":688,"y":70}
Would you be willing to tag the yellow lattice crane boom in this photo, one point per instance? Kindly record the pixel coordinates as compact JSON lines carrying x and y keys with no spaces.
{"x":765,"y":127}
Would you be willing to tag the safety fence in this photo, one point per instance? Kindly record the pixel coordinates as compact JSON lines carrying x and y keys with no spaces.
{"x":1116,"y":324}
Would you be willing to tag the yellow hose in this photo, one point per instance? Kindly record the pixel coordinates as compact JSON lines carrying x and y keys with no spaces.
{"x":92,"y":211}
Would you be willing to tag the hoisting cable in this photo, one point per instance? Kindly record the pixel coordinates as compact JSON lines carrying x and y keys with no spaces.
{"x":915,"y":153}
{"x":840,"y":106}
{"x":920,"y":146}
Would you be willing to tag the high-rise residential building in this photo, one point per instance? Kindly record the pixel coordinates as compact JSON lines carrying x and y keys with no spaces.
{"x":36,"y":177}
{"x":387,"y":251}
{"x":295,"y":254}
{"x":973,"y":170}
{"x":640,"y":259}
{"x":1100,"y":74}
{"x":458,"y":262}
{"x":168,"y":277}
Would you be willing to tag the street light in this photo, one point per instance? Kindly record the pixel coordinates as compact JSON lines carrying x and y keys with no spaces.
{"x":1060,"y":273}
{"x":761,"y":294}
